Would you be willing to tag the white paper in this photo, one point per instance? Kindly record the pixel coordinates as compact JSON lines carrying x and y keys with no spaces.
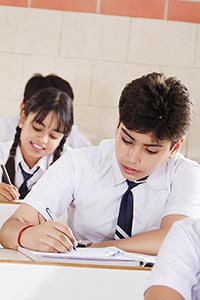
{"x":94,"y":254}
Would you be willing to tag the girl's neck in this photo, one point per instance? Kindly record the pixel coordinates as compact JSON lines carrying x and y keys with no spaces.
{"x":30,"y":161}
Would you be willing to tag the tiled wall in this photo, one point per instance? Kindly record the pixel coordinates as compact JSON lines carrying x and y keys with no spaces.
{"x":177,"y":10}
{"x":98,"y":54}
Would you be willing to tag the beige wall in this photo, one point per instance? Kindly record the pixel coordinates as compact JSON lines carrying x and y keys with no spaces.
{"x":98,"y":55}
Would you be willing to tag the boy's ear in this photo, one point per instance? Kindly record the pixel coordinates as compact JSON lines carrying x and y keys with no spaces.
{"x":22,"y":119}
{"x":176,"y":147}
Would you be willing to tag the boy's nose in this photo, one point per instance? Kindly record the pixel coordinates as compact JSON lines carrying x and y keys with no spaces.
{"x":134,"y":155}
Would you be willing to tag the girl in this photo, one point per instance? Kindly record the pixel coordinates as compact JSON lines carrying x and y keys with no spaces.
{"x":43,"y":127}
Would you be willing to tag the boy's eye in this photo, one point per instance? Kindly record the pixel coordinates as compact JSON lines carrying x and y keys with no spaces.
{"x":151,"y":152}
{"x":126,"y":141}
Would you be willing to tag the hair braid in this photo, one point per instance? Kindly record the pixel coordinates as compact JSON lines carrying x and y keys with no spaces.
{"x":59,"y":149}
{"x":10,"y":164}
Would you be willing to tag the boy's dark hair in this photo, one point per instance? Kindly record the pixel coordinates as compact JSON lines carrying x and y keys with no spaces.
{"x":37,"y":82}
{"x":41,"y":103}
{"x":156,"y":104}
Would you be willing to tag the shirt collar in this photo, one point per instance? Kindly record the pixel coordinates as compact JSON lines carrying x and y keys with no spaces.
{"x":43,"y":162}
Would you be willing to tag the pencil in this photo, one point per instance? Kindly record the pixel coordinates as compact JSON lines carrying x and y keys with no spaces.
{"x":7,"y":178}
{"x":5,"y":174}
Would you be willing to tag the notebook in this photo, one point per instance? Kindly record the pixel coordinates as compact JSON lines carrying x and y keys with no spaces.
{"x":109,"y":255}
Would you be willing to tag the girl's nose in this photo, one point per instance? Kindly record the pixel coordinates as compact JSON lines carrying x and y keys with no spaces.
{"x":44,"y":138}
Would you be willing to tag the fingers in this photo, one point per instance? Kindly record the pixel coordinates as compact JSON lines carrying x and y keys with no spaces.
{"x":66,"y":230}
{"x":62,"y":237}
{"x":49,"y":236}
{"x":8,"y":193}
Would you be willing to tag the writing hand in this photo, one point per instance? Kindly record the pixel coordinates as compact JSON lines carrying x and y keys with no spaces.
{"x":48,"y":236}
{"x":8,"y":193}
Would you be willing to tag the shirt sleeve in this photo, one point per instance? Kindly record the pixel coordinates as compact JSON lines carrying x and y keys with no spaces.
{"x":55,"y":188}
{"x":185,"y":191}
{"x":178,"y":261}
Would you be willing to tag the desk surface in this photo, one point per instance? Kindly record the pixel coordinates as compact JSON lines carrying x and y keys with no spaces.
{"x":23,"y":279}
{"x":13,"y":256}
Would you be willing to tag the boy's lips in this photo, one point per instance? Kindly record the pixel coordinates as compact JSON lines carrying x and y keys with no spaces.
{"x":130,"y":171}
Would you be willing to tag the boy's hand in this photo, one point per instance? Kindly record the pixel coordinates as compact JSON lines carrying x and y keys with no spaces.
{"x":48,"y":236}
{"x":8,"y":193}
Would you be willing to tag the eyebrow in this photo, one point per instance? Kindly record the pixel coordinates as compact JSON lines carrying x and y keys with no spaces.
{"x":148,"y":145}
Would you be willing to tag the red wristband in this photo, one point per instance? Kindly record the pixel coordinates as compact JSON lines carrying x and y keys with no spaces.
{"x":20,"y":233}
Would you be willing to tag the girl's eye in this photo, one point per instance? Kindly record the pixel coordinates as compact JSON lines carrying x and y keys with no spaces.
{"x":36,"y":128}
{"x":53,"y":137}
{"x":125,"y":141}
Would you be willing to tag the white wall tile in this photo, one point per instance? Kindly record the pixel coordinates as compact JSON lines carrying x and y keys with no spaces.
{"x":162,"y":42}
{"x":194,"y":141}
{"x":9,"y":107}
{"x":109,"y":79}
{"x":10,"y":75}
{"x":95,"y":36}
{"x":96,"y":122}
{"x":197,"y":61}
{"x":77,"y":73}
{"x":32,"y":31}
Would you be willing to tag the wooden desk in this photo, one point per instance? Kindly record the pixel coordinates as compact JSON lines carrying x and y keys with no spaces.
{"x":23,"y":279}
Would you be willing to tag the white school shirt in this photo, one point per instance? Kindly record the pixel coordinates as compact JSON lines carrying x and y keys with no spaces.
{"x":43,"y":165}
{"x":89,"y":183}
{"x":8,"y":124}
{"x":178,"y":263}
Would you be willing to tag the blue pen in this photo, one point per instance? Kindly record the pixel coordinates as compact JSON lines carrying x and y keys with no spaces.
{"x":113,"y":253}
{"x":53,"y":218}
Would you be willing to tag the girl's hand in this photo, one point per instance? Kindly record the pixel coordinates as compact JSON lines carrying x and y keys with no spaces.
{"x":48,"y":236}
{"x":8,"y":193}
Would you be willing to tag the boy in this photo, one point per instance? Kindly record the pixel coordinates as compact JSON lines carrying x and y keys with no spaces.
{"x":176,"y":275}
{"x":8,"y":124}
{"x":154,"y":115}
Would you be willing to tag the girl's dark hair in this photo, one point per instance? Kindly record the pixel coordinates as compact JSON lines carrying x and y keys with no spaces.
{"x":158,"y":105}
{"x":38,"y":82}
{"x":41,"y":103}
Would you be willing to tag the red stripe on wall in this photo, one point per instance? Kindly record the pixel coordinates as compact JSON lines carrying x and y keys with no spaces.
{"x":68,"y":5}
{"x":134,"y":8}
{"x":14,"y":2}
{"x":188,"y":11}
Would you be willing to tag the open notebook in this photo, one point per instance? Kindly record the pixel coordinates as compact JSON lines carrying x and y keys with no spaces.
{"x":108,"y":255}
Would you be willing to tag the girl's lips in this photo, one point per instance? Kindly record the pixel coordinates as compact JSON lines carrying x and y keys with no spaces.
{"x":130,"y":170}
{"x":36,"y":147}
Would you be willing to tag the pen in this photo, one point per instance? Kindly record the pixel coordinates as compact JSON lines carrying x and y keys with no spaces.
{"x":6,"y":176}
{"x":113,"y":253}
{"x":53,"y":218}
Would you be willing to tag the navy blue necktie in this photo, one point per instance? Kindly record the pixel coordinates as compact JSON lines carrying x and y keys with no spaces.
{"x":23,"y":190}
{"x":125,"y":218}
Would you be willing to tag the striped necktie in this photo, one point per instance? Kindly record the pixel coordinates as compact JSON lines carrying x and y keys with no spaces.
{"x":125,"y":217}
{"x":23,"y":190}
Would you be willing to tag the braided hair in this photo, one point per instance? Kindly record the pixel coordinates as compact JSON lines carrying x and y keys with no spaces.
{"x":10,"y":164}
{"x":41,"y":103}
